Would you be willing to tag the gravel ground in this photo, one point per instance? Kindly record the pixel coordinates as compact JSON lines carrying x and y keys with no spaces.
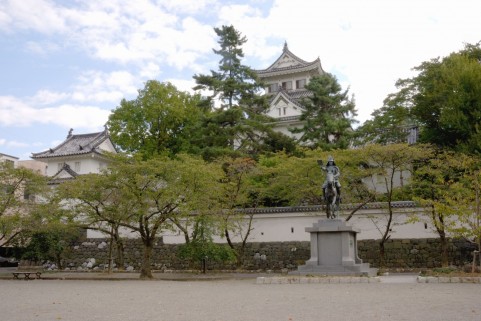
{"x":231,"y":300}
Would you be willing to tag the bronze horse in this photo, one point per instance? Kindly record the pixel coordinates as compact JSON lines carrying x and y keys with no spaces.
{"x":331,"y":197}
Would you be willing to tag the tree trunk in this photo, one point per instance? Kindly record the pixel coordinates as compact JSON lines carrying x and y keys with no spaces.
{"x":444,"y":250}
{"x":120,"y":254}
{"x":381,"y":254}
{"x":145,"y":270}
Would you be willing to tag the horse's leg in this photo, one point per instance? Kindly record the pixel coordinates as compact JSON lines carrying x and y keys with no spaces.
{"x":334,"y":209}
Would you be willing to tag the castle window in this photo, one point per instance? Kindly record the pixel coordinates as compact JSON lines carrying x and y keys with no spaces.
{"x":273,"y":88}
{"x":300,"y":83}
{"x":77,"y":167}
{"x":287,"y":85}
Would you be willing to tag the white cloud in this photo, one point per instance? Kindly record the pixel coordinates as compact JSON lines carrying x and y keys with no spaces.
{"x":42,"y":16}
{"x":188,"y":6}
{"x":149,"y":71}
{"x":41,"y":49}
{"x":183,"y":84}
{"x":14,"y":112}
{"x":97,"y":86}
{"x":15,"y":144}
{"x":47,"y":97}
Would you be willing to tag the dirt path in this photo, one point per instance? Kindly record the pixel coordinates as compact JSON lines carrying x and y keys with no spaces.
{"x":232,"y":300}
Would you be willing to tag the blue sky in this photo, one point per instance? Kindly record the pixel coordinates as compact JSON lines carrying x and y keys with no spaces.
{"x":67,"y":64}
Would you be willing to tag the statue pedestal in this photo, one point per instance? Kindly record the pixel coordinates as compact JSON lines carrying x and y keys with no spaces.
{"x":334,"y":251}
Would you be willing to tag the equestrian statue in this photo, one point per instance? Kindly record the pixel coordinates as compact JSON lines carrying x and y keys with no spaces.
{"x":331,"y":189}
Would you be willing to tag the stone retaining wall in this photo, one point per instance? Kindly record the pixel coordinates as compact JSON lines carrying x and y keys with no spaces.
{"x":405,"y":254}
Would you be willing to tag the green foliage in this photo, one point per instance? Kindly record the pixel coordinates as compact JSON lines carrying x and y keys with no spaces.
{"x":445,"y":184}
{"x":202,"y":247}
{"x":159,"y":190}
{"x":445,"y":99}
{"x":385,"y":166}
{"x":50,"y":243}
{"x":239,"y":123}
{"x":389,"y":124}
{"x":294,"y":181}
{"x":234,"y":84}
{"x":328,"y":115}
{"x":18,"y":189}
{"x":161,"y":120}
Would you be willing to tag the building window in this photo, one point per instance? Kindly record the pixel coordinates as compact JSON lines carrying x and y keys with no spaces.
{"x":59,"y":166}
{"x":287,"y":85}
{"x":285,"y":110}
{"x":77,"y":167}
{"x":273,"y":88}
{"x":300,"y":83}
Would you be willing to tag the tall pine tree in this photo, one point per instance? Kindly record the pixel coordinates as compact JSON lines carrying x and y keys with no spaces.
{"x":238,"y":125}
{"x":328,"y":115}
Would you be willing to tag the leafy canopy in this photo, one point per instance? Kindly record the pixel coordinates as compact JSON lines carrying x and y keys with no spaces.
{"x":328,"y":114}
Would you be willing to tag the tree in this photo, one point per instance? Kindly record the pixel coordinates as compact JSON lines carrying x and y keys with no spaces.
{"x":385,"y":164}
{"x":93,"y":202}
{"x":433,"y":183}
{"x":238,"y":194}
{"x":328,"y":115}
{"x":50,"y":241}
{"x":239,"y":122}
{"x":161,"y":120}
{"x":296,"y":181}
{"x":156,"y":190}
{"x":445,"y":98}
{"x":390,"y":124}
{"x":200,"y":246}
{"x":18,"y":189}
{"x":464,"y":200}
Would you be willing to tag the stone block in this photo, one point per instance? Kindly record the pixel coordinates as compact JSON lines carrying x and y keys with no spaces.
{"x":323,"y":280}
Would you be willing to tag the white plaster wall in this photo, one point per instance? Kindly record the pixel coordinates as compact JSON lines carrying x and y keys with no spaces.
{"x":89,"y":164}
{"x":291,"y":227}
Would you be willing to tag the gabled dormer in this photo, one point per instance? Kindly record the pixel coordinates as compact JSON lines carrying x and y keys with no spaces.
{"x":282,"y":105}
{"x":65,"y":173}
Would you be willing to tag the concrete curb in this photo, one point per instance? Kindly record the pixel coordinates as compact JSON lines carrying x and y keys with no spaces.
{"x":448,"y":279}
{"x":317,"y":280}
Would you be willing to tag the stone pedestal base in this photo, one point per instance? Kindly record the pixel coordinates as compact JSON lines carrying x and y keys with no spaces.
{"x":334,"y":251}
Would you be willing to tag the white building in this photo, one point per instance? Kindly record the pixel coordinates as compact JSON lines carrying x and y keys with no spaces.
{"x":286,"y":79}
{"x":76,"y":155}
{"x":8,"y":159}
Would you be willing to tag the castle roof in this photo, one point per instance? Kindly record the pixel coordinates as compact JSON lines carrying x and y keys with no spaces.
{"x":76,"y":145}
{"x":288,"y":63}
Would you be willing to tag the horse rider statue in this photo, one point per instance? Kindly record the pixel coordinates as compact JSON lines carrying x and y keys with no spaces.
{"x":332,"y":168}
